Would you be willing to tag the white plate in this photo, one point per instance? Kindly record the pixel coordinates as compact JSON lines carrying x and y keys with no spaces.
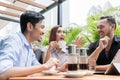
{"x":73,"y":74}
{"x":50,"y":72}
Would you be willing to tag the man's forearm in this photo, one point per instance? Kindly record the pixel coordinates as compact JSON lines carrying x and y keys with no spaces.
{"x":21,"y":71}
{"x":95,"y":54}
{"x":102,"y":67}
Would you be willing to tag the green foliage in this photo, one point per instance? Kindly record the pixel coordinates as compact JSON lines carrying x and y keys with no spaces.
{"x":93,"y":19}
{"x":88,"y":32}
{"x":92,"y":27}
{"x":45,"y":38}
{"x":117,"y":31}
{"x":72,"y":33}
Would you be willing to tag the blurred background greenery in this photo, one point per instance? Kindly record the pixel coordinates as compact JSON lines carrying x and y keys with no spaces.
{"x":89,"y":31}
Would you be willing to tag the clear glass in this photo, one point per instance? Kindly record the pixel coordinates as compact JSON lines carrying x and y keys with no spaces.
{"x":72,"y":62}
{"x":82,"y":59}
{"x":92,"y":65}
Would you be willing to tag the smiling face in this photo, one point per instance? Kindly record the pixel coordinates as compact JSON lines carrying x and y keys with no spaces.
{"x":60,"y":34}
{"x":104,"y":28}
{"x":37,"y":32}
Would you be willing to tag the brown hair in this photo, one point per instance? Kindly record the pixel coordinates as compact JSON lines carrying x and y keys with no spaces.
{"x":53,"y":33}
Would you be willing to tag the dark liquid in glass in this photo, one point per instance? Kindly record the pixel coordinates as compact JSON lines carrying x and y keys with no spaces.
{"x":83,"y":66}
{"x":72,"y":67}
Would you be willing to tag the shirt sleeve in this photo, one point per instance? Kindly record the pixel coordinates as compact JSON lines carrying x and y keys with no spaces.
{"x":91,"y":48}
{"x":5,"y":64}
{"x":7,"y":54}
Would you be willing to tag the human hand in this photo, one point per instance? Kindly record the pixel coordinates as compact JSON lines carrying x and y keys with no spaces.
{"x":53,"y":44}
{"x":103,"y":42}
{"x":62,"y":68}
{"x":51,"y":62}
{"x":79,"y":41}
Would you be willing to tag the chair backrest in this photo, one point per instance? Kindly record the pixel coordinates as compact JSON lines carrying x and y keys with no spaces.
{"x":39,"y":55}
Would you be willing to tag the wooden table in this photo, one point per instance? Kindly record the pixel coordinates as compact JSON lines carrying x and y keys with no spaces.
{"x":40,"y":76}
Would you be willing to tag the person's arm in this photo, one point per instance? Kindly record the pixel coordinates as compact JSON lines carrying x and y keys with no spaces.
{"x":21,"y":71}
{"x":53,"y":44}
{"x":95,"y":54}
{"x":47,"y":55}
{"x":24,"y":71}
{"x":102,"y":67}
{"x":102,"y":44}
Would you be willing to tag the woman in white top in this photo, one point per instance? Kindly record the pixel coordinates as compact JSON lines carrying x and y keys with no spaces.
{"x":53,"y":50}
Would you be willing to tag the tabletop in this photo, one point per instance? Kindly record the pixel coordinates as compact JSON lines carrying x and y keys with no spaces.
{"x":41,"y":76}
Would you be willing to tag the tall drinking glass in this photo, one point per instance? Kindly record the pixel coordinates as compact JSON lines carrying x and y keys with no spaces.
{"x":72,"y":58}
{"x":82,"y":59}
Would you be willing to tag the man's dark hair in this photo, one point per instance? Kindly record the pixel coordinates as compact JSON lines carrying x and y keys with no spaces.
{"x":110,"y":19}
{"x":30,"y":16}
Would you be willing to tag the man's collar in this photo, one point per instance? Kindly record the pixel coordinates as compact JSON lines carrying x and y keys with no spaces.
{"x":24,"y":40}
{"x":116,"y":39}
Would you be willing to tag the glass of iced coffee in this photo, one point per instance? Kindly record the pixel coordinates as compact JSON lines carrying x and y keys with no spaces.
{"x":72,"y":58}
{"x":82,"y":59}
